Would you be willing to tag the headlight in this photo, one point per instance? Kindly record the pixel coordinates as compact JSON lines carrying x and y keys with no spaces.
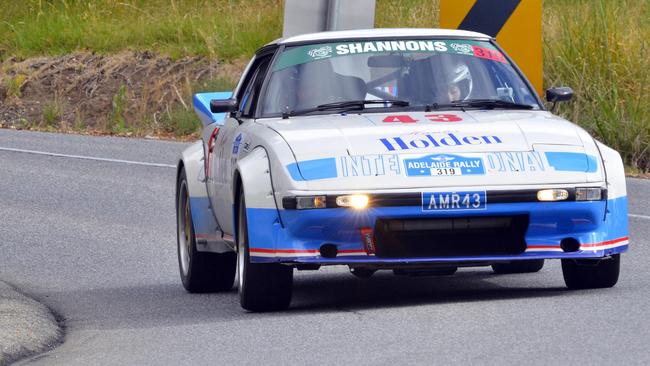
{"x":357,"y":201}
{"x":552,"y":195}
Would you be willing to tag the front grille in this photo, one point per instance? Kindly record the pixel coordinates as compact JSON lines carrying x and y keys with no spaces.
{"x":451,"y":237}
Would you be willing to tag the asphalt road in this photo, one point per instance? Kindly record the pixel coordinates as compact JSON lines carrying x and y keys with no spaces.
{"x":95,"y":240}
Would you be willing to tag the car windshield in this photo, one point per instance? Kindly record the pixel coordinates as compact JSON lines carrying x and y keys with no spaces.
{"x":420,"y":72}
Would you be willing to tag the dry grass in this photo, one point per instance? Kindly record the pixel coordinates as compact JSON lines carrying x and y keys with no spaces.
{"x":128,"y":93}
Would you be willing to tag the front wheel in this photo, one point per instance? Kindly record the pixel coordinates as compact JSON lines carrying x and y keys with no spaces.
{"x":200,"y":271}
{"x":262,"y":286}
{"x":591,"y":273}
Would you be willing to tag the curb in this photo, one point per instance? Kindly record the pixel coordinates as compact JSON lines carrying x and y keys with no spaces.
{"x":27,"y":327}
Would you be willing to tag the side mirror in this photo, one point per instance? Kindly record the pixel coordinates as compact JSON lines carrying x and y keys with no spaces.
{"x":559,"y":94}
{"x":223,"y":105}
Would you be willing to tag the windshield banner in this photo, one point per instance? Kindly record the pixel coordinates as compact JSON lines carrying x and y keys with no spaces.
{"x":309,"y":53}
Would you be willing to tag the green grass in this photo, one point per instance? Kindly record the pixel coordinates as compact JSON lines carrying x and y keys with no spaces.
{"x":598,"y":47}
{"x":51,"y":115}
{"x":217,"y":28}
{"x":601,"y":49}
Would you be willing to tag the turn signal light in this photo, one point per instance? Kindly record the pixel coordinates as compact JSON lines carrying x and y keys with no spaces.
{"x":588,"y":194}
{"x":552,"y":195}
{"x":303,"y":203}
{"x":358,"y":201}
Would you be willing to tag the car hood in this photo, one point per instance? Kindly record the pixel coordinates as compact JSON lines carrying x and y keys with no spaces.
{"x":486,"y":146}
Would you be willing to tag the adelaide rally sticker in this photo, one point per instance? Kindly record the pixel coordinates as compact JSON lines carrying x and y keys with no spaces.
{"x":443,"y":164}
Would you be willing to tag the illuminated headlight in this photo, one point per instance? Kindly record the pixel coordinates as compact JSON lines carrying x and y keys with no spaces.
{"x":588,"y":194}
{"x":357,"y":201}
{"x":303,"y":203}
{"x":552,"y":195}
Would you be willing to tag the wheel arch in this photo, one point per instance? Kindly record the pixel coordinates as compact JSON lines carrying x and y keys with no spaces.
{"x":236,"y":194}
{"x":207,"y":232}
{"x":252,"y":178}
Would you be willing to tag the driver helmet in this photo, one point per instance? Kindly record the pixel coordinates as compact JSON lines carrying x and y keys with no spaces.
{"x":459,"y":76}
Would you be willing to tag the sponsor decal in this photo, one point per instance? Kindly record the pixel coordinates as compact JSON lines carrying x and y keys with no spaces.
{"x":450,"y":201}
{"x":522,"y":162}
{"x":236,"y":143}
{"x":488,"y":54}
{"x":463,"y":48}
{"x":443,"y":164}
{"x":321,"y":52}
{"x":390,"y":46}
{"x":369,"y":165}
{"x":309,"y":53}
{"x":429,"y":141}
{"x":367,"y":238}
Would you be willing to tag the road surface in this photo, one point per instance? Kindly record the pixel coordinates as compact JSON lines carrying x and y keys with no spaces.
{"x":95,"y":241}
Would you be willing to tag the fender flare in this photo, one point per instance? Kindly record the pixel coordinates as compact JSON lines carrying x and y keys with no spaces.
{"x":207,"y":233}
{"x":253,"y":177}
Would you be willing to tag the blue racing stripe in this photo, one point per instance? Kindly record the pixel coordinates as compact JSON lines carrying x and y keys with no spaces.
{"x":313,"y":169}
{"x":572,"y":161}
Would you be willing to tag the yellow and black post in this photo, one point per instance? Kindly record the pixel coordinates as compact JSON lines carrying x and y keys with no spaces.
{"x":516,"y":24}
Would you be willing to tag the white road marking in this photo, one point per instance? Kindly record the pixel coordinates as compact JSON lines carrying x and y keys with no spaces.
{"x":639,"y":216}
{"x":87,"y":157}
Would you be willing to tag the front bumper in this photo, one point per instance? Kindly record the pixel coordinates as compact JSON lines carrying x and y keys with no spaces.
{"x":296,"y":236}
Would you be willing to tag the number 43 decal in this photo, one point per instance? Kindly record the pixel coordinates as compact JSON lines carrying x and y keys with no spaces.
{"x":404,"y":118}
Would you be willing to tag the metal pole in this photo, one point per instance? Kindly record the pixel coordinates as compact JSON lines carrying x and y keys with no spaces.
{"x":333,"y":11}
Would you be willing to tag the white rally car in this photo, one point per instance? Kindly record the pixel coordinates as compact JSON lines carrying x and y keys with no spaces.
{"x":414,"y":150}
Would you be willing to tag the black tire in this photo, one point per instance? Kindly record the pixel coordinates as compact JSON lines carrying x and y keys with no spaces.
{"x":200,"y":271}
{"x":589,"y":273}
{"x":262,"y":286}
{"x":524,"y":266}
{"x":362,"y":272}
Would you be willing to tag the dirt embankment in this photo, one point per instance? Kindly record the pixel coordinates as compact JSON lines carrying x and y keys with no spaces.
{"x":131,"y":93}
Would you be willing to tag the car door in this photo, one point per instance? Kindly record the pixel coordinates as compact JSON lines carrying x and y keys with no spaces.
{"x":226,"y":150}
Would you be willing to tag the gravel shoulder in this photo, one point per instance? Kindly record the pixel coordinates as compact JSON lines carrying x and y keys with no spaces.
{"x":26,"y":326}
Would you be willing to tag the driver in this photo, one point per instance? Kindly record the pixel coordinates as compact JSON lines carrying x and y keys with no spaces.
{"x":459,"y":82}
{"x":453,"y":92}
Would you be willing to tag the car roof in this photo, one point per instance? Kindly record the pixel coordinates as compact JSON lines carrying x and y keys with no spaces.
{"x":380,"y":33}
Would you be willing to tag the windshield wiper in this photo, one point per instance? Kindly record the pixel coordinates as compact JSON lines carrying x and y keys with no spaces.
{"x":348,"y":105}
{"x":480,"y":103}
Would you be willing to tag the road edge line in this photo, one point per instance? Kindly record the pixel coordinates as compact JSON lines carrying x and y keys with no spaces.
{"x":83,"y":157}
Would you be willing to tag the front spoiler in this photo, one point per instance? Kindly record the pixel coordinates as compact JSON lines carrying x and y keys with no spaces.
{"x":456,"y":261}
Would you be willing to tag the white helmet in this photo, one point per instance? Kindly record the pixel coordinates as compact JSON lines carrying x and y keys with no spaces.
{"x":460,"y":76}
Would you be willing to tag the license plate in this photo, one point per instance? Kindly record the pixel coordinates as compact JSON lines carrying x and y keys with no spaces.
{"x":449,"y":201}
